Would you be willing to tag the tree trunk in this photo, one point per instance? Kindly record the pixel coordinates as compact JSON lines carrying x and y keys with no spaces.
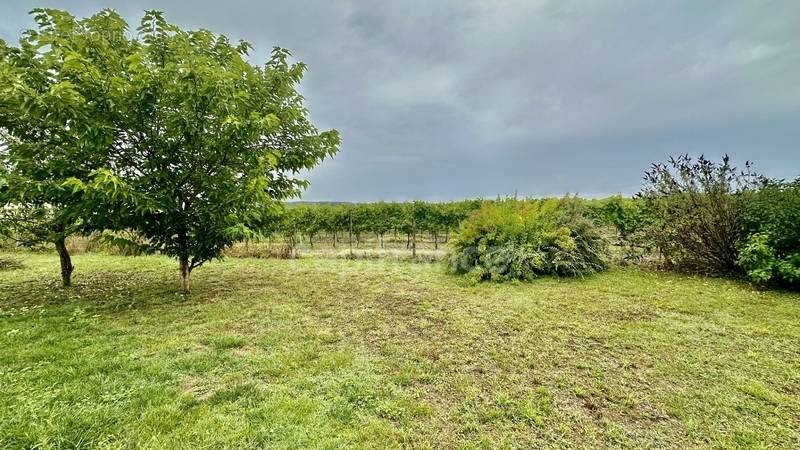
{"x":413,"y":236}
{"x":334,"y":239}
{"x":311,"y":240}
{"x":351,"y":234}
{"x":185,"y":272}
{"x":436,"y":241}
{"x":66,"y":262}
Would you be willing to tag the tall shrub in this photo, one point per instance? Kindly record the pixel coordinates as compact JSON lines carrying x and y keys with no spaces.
{"x":695,"y":209}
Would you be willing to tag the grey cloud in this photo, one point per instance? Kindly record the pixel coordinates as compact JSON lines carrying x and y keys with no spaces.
{"x":441,"y":100}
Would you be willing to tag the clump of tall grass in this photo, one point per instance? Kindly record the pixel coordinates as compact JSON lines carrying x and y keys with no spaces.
{"x":10,"y":264}
{"x":259,"y":250}
{"x":422,"y":256}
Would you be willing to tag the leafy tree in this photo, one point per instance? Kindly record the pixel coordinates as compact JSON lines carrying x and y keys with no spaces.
{"x":212,"y":142}
{"x":381,"y":220}
{"x":418,"y":214}
{"x":311,"y":222}
{"x":337,"y":219}
{"x":457,"y":212}
{"x":365,"y":218}
{"x":624,"y":214}
{"x":291,"y":226}
{"x":325,"y":215}
{"x":450,"y":219}
{"x":437,"y":221}
{"x":60,"y":92}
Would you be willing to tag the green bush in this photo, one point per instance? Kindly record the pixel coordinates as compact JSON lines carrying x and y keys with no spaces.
{"x":624,"y":214}
{"x":694,"y":213}
{"x":771,"y":251}
{"x":521,"y":240}
{"x":628,"y":220}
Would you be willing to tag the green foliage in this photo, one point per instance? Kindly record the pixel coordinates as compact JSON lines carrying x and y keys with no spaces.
{"x":771,"y":252}
{"x":629,"y":220}
{"x":757,"y":258}
{"x":27,"y":226}
{"x":524,"y":239}
{"x":218,"y":139}
{"x":173,"y":135}
{"x":60,"y":95}
{"x":376,"y":218}
{"x":694,"y":212}
{"x":624,"y":214}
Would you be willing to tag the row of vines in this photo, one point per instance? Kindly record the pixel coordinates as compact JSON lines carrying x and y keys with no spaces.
{"x":351,"y":224}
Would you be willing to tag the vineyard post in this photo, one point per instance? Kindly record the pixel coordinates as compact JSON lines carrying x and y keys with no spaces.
{"x":350,"y":215}
{"x":413,"y":232}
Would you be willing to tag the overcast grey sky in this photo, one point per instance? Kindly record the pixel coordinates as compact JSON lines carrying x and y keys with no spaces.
{"x":450,"y":99}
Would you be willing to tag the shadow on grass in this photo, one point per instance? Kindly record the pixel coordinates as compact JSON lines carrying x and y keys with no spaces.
{"x":131,"y":289}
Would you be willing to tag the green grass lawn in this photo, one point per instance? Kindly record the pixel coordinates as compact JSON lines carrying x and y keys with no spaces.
{"x":329,"y":353}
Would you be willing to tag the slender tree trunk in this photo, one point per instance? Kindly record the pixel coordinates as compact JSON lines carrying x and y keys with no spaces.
{"x":408,"y":241}
{"x":334,"y":239}
{"x":185,"y":272}
{"x":311,"y":240}
{"x":413,"y":239}
{"x":380,"y":238}
{"x":66,"y":262}
{"x":351,"y":234}
{"x":183,"y":261}
{"x":436,"y":241}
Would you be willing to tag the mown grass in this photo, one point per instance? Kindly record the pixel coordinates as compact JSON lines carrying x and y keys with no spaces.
{"x":325,"y":353}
